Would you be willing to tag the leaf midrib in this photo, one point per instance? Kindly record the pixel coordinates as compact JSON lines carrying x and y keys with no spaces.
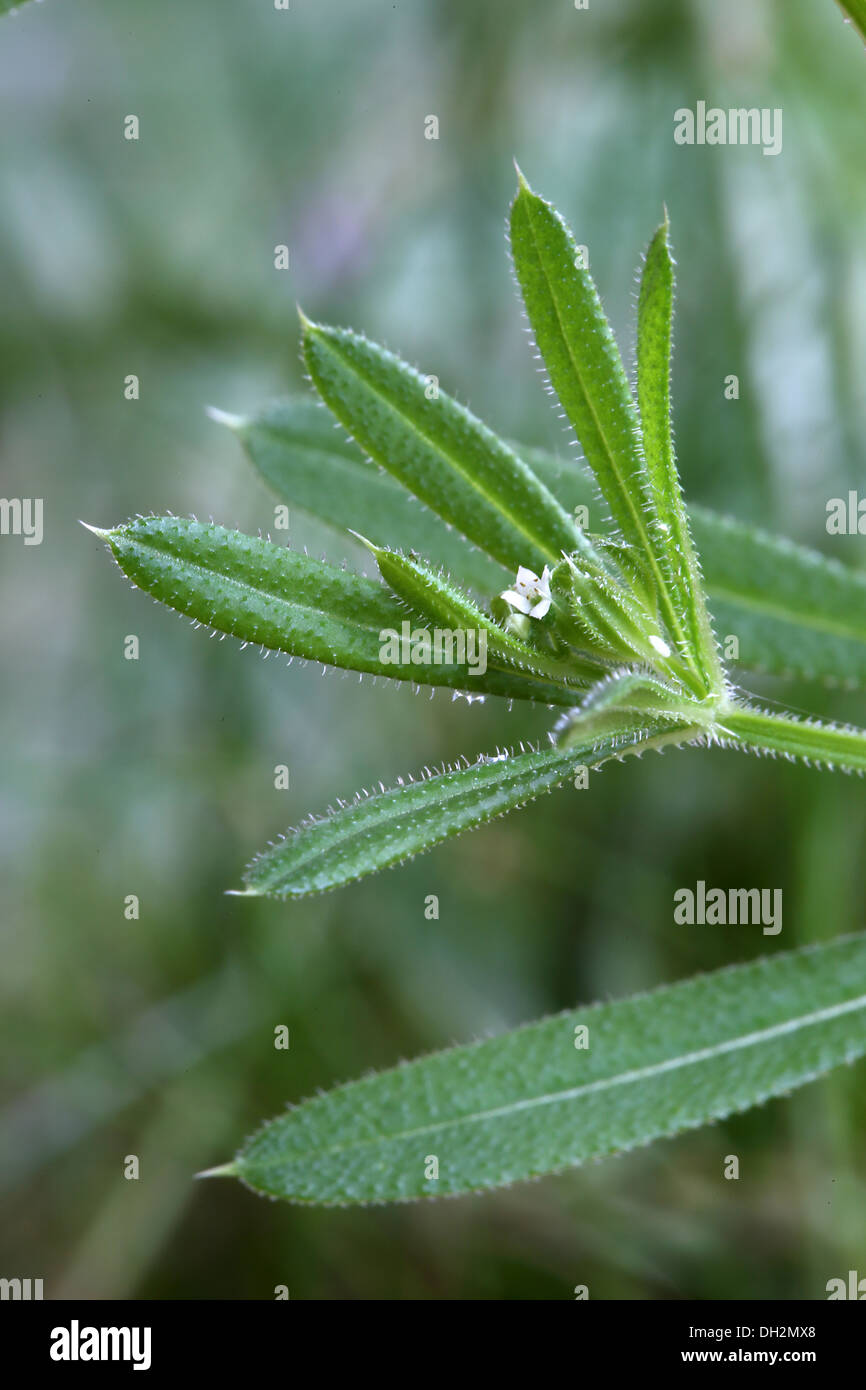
{"x":490,"y":498}
{"x":290,"y":604}
{"x":604,"y":1083}
{"x":676,"y":514}
{"x":624,"y":490}
{"x":445,"y":795}
{"x":527,"y":677}
{"x":795,"y":617}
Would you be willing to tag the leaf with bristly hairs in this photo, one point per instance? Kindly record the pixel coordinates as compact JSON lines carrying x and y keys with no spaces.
{"x":597,"y":1080}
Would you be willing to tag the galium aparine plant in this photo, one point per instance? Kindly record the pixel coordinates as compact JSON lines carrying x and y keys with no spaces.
{"x":612,"y":629}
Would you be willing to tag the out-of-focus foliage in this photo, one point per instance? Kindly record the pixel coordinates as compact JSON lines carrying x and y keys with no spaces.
{"x":155,"y":1036}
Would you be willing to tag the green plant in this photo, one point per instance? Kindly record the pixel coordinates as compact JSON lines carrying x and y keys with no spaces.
{"x":611,"y":626}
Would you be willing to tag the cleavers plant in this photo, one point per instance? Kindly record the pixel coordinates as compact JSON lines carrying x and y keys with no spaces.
{"x":611,"y":627}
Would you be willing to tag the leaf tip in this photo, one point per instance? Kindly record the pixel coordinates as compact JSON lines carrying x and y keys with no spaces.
{"x":226,"y":1170}
{"x":99,"y":531}
{"x":522,"y":185}
{"x":662,"y":235}
{"x":306,"y":324}
{"x":371,"y":546}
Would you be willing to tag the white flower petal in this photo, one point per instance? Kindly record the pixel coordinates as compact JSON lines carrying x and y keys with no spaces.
{"x":516,"y":600}
{"x":540,"y":608}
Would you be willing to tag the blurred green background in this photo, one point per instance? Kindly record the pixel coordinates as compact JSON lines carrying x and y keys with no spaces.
{"x":155,"y":1037}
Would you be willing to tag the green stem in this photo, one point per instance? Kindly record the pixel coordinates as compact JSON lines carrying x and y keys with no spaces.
{"x":838,"y":747}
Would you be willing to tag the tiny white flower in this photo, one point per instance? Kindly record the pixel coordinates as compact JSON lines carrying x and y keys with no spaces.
{"x":660,"y":646}
{"x":531,"y":592}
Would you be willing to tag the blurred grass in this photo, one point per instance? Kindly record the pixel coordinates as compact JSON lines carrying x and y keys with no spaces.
{"x":155,"y":1037}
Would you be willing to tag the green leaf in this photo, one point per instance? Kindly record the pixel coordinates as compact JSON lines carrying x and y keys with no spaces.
{"x":437,"y":449}
{"x":581,"y":357}
{"x":586,"y":372}
{"x":305,"y":458}
{"x":671,"y":533}
{"x":532,"y":1102}
{"x":271,"y":596}
{"x":637,"y":692}
{"x":824,"y":745}
{"x":377,"y":831}
{"x":793,"y":611}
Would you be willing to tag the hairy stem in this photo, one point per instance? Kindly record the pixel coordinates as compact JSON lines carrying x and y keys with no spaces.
{"x":832,"y":746}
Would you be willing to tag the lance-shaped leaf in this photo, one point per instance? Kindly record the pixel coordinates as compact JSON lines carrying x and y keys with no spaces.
{"x":824,"y":745}
{"x":597,"y":1080}
{"x":671,"y":534}
{"x":586,"y":372}
{"x":269,"y":595}
{"x":378,"y":831}
{"x":305,"y":458}
{"x":583,"y":361}
{"x":435,"y":597}
{"x":437,"y":449}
